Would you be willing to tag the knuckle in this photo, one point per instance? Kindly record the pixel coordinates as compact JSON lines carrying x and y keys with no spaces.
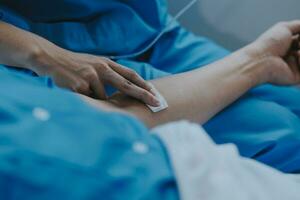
{"x":132,"y":74}
{"x":104,"y":68}
{"x":126,"y":85}
{"x":105,"y":59}
{"x":144,"y":95}
{"x":108,"y":75}
{"x":90,"y":75}
{"x":80,"y":87}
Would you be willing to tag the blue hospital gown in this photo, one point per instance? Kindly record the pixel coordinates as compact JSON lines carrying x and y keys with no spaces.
{"x":264,"y":123}
{"x":55,"y":147}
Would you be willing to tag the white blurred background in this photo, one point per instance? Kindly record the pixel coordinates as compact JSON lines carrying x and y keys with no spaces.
{"x":234,"y":23}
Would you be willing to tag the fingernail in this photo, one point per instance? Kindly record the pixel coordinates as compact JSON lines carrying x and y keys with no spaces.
{"x":149,"y":86}
{"x":156,"y":102}
{"x":152,"y":91}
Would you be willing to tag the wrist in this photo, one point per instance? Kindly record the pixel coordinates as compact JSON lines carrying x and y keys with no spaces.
{"x":258,"y":65}
{"x":42,"y":57}
{"x":256,"y":51}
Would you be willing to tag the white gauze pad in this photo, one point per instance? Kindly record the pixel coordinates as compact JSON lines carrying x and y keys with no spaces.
{"x":161,"y":99}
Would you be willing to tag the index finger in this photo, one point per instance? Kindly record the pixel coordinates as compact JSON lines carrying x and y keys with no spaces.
{"x":128,"y":88}
{"x":98,"y":89}
{"x":131,"y":75}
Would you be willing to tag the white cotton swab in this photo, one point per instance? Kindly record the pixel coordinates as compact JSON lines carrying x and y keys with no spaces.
{"x":161,"y":99}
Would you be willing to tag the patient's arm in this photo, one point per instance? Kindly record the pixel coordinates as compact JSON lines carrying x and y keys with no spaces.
{"x":200,"y":94}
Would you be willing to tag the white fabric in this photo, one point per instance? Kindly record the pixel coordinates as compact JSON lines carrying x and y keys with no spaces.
{"x":208,"y":171}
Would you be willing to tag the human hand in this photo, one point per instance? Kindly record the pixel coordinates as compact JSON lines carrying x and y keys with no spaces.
{"x":279,"y":48}
{"x":86,"y":74}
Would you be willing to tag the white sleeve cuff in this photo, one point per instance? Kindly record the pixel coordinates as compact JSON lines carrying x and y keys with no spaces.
{"x":208,"y":171}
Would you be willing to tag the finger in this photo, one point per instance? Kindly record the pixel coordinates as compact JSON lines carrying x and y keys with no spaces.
{"x":295,"y":43}
{"x":294,"y":26}
{"x":293,"y":62}
{"x":131,"y":75}
{"x":297,"y":55}
{"x":144,"y":95}
{"x":128,"y":88}
{"x":98,"y":89}
{"x":82,"y":87}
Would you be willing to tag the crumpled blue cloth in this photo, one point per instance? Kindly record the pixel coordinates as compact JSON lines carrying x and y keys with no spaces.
{"x":264,"y":123}
{"x":55,"y":146}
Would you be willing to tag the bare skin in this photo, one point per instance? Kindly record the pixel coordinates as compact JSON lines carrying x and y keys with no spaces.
{"x":197,"y":95}
{"x":208,"y":90}
{"x":82,"y":73}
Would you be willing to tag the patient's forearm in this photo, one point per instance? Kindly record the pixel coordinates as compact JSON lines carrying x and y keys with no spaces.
{"x":200,"y":94}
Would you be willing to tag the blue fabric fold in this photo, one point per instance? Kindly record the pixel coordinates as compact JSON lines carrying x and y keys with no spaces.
{"x":264,"y":123}
{"x":77,"y":151}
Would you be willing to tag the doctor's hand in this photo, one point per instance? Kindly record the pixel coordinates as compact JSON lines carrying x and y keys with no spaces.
{"x":82,"y":73}
{"x":87,"y":74}
{"x":279,"y":46}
